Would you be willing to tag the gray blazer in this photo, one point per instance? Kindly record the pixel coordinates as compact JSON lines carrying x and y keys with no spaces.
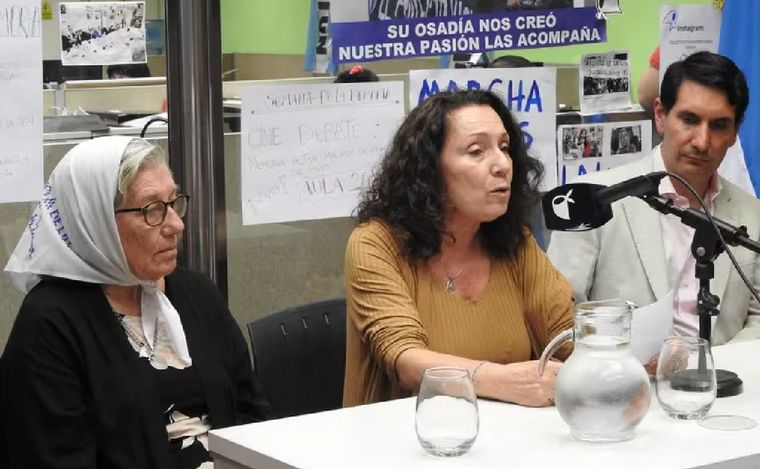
{"x":625,"y":258}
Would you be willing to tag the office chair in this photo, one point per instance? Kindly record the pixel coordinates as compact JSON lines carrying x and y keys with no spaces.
{"x":299,"y":357}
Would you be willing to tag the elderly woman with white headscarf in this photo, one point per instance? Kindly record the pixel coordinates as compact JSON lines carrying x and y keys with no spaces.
{"x":117,"y":358}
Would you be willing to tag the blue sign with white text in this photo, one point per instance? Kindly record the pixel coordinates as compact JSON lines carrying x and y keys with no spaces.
{"x":366,"y":41}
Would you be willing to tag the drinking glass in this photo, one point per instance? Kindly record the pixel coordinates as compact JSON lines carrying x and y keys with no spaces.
{"x":685,"y":380}
{"x":446,"y":419}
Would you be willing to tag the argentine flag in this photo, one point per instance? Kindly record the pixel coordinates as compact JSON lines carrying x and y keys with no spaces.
{"x":740,"y":41}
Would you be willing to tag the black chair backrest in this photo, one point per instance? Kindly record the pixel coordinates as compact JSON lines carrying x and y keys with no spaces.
{"x":299,"y":357}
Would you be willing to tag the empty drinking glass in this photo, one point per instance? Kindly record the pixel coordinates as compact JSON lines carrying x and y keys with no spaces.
{"x":447,"y":411}
{"x":685,"y":384}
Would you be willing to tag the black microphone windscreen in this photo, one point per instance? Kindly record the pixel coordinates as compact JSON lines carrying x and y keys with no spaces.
{"x":574,"y":207}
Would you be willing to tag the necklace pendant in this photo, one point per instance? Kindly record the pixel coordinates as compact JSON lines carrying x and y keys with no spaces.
{"x":450,"y":286}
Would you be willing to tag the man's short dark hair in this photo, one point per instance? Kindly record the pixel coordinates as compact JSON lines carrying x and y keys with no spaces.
{"x":510,"y":61}
{"x":710,"y":70}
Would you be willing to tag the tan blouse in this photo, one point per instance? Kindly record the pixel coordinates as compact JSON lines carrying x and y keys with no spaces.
{"x":394,"y":306}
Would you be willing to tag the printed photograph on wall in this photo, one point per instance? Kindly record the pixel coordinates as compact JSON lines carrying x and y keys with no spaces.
{"x":393,"y":9}
{"x":585,"y":149}
{"x":625,"y":140}
{"x":102,"y":33}
{"x":582,"y":142}
{"x":605,"y":82}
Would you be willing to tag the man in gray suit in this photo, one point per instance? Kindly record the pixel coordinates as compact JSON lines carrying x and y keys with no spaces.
{"x":641,"y":255}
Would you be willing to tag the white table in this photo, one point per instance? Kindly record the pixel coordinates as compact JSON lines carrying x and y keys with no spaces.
{"x":382,"y":436}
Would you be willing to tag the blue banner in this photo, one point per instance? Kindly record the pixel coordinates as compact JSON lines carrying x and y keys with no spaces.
{"x":317,"y":55}
{"x":739,"y":36}
{"x":366,"y":41}
{"x":310,"y":55}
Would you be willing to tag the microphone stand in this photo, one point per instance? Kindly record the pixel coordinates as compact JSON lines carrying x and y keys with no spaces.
{"x":705,"y":247}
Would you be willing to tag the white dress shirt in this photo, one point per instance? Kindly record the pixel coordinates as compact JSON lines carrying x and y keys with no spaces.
{"x":677,"y":239}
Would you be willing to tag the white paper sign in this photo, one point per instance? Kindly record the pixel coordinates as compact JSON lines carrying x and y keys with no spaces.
{"x":530,"y":93}
{"x":308,"y":150}
{"x":20,"y":101}
{"x":588,"y":148}
{"x":605,"y":82}
{"x":650,"y":326}
{"x":102,"y":33}
{"x":685,"y":29}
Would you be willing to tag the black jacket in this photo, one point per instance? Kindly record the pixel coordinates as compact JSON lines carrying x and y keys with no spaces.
{"x":73,"y":392}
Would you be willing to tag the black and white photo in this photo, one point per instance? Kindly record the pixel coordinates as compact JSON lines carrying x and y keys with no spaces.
{"x":625,"y":140}
{"x":102,"y":33}
{"x":394,"y":9}
{"x":605,"y":81}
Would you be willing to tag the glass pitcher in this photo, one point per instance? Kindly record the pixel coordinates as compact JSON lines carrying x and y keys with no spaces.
{"x":602,"y":390}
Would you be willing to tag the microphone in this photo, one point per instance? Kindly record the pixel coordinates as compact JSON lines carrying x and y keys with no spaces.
{"x":583,"y":206}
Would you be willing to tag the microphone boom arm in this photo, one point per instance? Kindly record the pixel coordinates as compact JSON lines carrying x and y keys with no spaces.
{"x":706,"y":247}
{"x":734,"y":236}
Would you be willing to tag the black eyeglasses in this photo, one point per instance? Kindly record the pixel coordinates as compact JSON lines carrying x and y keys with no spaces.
{"x":155,"y":212}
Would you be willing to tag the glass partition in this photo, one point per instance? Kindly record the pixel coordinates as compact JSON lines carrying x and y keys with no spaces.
{"x":269,"y":266}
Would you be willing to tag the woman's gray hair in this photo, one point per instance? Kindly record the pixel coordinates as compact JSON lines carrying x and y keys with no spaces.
{"x":138,"y":153}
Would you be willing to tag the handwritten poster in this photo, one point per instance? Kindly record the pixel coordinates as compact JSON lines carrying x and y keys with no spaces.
{"x":685,"y":29}
{"x":588,"y":148}
{"x":605,"y":82}
{"x":308,"y":150}
{"x":530,"y":93}
{"x":20,"y":101}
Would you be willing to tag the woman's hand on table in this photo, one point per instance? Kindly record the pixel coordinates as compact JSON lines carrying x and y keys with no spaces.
{"x":520,"y":383}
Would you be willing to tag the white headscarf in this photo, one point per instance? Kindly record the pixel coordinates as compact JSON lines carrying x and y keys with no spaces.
{"x":72,"y":234}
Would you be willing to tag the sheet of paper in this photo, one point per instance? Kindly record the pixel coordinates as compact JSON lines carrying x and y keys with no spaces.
{"x":685,"y":29}
{"x":307,"y":151}
{"x":102,"y":33}
{"x":20,"y":101}
{"x":650,"y":326}
{"x":605,"y":81}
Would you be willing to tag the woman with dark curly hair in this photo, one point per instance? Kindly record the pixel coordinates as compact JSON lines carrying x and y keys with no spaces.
{"x":442,"y":268}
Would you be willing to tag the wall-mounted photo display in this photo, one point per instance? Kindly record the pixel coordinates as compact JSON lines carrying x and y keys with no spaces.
{"x":588,"y":148}
{"x":102,"y":33}
{"x":605,"y":82}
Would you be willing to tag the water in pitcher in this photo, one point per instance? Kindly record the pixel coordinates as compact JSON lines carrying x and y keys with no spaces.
{"x":602,"y":389}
